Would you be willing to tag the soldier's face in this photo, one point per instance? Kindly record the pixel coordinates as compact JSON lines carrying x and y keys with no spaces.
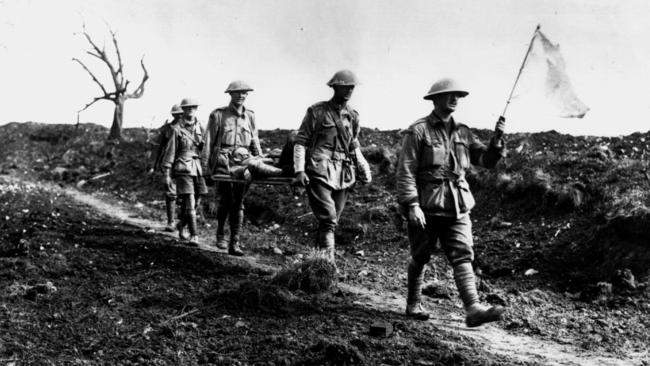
{"x":238,"y":97}
{"x":189,"y":112}
{"x":343,"y":92}
{"x":446,"y":102}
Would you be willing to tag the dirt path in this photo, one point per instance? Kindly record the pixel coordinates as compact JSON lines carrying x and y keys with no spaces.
{"x":493,"y":339}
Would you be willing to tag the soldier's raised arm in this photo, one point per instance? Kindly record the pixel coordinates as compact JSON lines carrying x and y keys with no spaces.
{"x":488,"y":156}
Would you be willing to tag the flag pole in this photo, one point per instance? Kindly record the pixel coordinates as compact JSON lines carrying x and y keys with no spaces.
{"x":530,"y":47}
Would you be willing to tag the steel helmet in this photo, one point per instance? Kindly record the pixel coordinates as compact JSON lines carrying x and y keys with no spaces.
{"x":343,"y":77}
{"x":238,"y":85}
{"x":189,"y":102}
{"x":176,"y":109}
{"x":445,"y":85}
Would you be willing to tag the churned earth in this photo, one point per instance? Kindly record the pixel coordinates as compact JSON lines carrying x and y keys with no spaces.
{"x":89,"y":277}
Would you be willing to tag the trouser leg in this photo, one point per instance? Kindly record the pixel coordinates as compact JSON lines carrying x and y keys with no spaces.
{"x":327,"y":205}
{"x":223,"y":209}
{"x":170,"y":207}
{"x":415,"y":277}
{"x":182,"y":216}
{"x":190,"y":212}
{"x":236,"y":218}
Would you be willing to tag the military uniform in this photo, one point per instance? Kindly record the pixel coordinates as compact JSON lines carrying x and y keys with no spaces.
{"x":330,"y":163}
{"x":431,"y":182}
{"x":431,"y":173}
{"x":183,"y":157}
{"x":231,"y":138}
{"x":164,"y":135}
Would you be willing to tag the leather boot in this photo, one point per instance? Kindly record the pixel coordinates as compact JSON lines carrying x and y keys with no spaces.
{"x":260,"y":169}
{"x":194,"y":240}
{"x":475,"y":313}
{"x":326,"y":244}
{"x":236,"y":220}
{"x":415,"y":277}
{"x":222,"y":242}
{"x":170,"y":206}
{"x":222,"y":215}
{"x":182,"y":234}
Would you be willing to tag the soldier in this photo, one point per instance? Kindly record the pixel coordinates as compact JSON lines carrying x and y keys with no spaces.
{"x":182,"y":161}
{"x":231,"y":140}
{"x":327,"y":157}
{"x":164,"y":134}
{"x":431,"y":186}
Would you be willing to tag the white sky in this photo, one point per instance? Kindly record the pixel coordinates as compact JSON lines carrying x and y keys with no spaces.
{"x":288,"y":49}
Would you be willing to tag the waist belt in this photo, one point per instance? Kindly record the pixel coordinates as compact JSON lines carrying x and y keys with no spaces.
{"x":443,"y":176}
{"x":332,"y":155}
{"x":188,"y":155}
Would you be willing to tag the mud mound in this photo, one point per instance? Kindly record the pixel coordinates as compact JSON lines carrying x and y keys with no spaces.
{"x":316,"y":274}
{"x":623,"y":242}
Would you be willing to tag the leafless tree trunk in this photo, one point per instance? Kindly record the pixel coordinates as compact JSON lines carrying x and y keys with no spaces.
{"x":120,"y":84}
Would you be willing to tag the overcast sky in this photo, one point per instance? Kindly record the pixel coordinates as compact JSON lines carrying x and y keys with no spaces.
{"x":288,"y":49}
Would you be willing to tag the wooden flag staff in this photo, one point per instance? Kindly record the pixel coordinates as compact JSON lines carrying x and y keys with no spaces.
{"x":530,"y":47}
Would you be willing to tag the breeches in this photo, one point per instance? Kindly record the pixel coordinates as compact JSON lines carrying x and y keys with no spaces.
{"x":326,"y":203}
{"x":455,"y":235}
{"x":187,"y":184}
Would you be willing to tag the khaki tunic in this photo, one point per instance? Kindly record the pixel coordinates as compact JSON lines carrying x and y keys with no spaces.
{"x":326,"y":160}
{"x":432,"y":164}
{"x":183,"y":151}
{"x":226,"y":132}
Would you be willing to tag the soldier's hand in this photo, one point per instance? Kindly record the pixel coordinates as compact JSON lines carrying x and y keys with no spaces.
{"x":416,"y":217}
{"x":499,"y":128}
{"x":301,"y":179}
{"x":167,"y":179}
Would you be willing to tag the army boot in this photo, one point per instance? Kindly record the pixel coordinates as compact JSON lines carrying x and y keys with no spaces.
{"x":182,"y":234}
{"x":326,"y":244}
{"x":414,"y":308}
{"x":194,"y":239}
{"x":222,"y":242}
{"x":170,"y":206}
{"x":475,"y":313}
{"x":222,"y":215}
{"x":236,"y":220}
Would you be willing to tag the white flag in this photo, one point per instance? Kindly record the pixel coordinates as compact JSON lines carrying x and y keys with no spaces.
{"x":545,"y":71}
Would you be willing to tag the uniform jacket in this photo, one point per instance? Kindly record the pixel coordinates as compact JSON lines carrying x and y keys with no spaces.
{"x":226,"y":132}
{"x":326,"y":159}
{"x":184,"y":149}
{"x":164,"y":134}
{"x":432,"y":164}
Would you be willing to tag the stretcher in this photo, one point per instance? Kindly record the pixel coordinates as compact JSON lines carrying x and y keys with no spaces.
{"x":264,"y":180}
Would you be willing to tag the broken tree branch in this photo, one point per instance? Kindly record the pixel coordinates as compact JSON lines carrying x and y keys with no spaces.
{"x":91,"y":75}
{"x":137,"y":93}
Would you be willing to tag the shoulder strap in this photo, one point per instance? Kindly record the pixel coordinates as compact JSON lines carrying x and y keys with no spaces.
{"x":186,"y":134}
{"x":343,"y":135}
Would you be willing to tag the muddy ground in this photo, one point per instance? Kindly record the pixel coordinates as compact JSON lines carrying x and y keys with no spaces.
{"x":560,"y":235}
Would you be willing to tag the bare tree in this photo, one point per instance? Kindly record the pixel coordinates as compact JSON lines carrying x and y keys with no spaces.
{"x":120,"y":84}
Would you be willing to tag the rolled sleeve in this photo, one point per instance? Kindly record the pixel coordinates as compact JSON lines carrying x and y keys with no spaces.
{"x":306,"y":129}
{"x":255,"y":147}
{"x":407,"y":165}
{"x":355,"y":134}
